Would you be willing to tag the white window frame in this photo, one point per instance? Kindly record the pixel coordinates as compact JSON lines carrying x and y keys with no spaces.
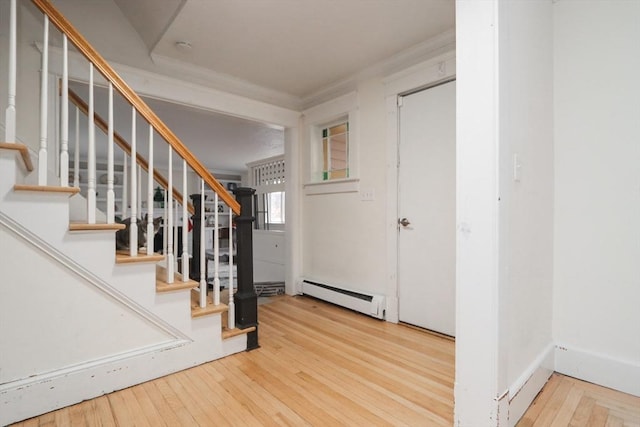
{"x":341,"y":109}
{"x":273,"y":184}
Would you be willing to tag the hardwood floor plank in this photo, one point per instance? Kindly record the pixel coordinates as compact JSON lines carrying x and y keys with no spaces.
{"x":598,"y":416}
{"x":146,"y":406}
{"x":353,"y":360}
{"x":582,"y":412}
{"x":550,"y":410}
{"x":568,"y":408}
{"x":613,"y":421}
{"x":76,"y":415}
{"x":357,"y":388}
{"x":174,"y":402}
{"x":321,"y":365}
{"x":160,"y":404}
{"x":98,"y":412}
{"x":193,"y":406}
{"x":540,"y":402}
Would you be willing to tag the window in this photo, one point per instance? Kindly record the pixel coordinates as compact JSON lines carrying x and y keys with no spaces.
{"x":267,"y":177}
{"x":330,"y":162}
{"x":335,"y":151}
{"x":274,"y":207}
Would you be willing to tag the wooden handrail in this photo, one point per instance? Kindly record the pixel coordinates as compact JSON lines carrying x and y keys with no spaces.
{"x":130,"y":95}
{"x":122,"y":143}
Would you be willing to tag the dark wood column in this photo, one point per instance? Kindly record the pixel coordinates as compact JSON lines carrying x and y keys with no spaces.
{"x":246,"y":300}
{"x":194,"y":266}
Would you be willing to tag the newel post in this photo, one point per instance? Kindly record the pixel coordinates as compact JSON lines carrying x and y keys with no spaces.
{"x":194,"y":267}
{"x":246,"y":300}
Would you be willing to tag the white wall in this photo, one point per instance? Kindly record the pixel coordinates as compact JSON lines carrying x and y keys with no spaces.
{"x":47,"y":302}
{"x":344,"y":237}
{"x":269,"y":256}
{"x":526,"y":219}
{"x":597,"y":191}
{"x":505,"y":221}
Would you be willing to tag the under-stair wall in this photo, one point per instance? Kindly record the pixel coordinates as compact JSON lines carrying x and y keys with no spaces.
{"x":74,"y":324}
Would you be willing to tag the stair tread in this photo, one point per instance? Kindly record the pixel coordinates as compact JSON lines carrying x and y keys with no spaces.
{"x":47,"y":189}
{"x":228,"y":333}
{"x":196,"y":311}
{"x":123,"y":257}
{"x":22,"y":149}
{"x":178,"y":284}
{"x":83,"y":226}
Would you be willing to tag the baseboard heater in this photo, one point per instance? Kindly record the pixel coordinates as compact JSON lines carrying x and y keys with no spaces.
{"x":372,"y":305}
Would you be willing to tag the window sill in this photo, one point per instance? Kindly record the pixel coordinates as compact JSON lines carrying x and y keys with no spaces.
{"x":347,"y":185}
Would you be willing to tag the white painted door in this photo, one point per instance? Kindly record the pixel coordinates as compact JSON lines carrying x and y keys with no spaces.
{"x":426,"y":209}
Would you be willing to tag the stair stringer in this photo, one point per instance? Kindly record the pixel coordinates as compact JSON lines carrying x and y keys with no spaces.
{"x":45,"y":218}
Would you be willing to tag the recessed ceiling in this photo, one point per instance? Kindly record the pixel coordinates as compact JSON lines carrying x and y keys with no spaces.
{"x":297,"y":47}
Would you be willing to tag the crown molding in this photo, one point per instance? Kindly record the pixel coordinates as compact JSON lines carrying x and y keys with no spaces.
{"x":196,"y":76}
{"x":435,"y":46}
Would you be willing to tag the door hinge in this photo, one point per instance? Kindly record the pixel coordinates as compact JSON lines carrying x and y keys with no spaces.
{"x":400,"y":98}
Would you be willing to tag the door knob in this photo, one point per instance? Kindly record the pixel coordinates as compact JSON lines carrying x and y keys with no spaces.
{"x":403,"y":222}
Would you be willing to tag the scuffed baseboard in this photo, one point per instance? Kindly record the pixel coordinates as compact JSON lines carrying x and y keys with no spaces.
{"x":599,"y":369}
{"x":528,"y":385}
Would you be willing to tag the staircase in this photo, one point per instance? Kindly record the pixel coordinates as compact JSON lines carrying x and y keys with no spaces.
{"x":77,"y":319}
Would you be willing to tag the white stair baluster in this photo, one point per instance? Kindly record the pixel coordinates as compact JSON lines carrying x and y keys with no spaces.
{"x":76,"y":153}
{"x":164,"y":223}
{"x":232,"y":310}
{"x":203,"y":259}
{"x":216,"y":252}
{"x":185,"y":225}
{"x":139,"y":190}
{"x":175,"y":235}
{"x":10,"y":112}
{"x":111,"y":195}
{"x":133,"y":229}
{"x":91,"y":180}
{"x":169,"y":253}
{"x":64,"y":116}
{"x":125,"y":187}
{"x":150,"y":228}
{"x":44,"y":88}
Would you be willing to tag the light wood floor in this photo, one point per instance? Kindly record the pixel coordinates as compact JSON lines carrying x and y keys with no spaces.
{"x":566,"y":401}
{"x":322,"y":365}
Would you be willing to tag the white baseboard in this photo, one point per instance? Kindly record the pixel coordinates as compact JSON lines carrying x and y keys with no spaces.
{"x":599,"y":369}
{"x":25,"y":399}
{"x":528,"y":385}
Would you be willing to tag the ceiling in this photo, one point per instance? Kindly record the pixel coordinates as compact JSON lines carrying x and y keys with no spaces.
{"x":295,"y":47}
{"x":291,"y":53}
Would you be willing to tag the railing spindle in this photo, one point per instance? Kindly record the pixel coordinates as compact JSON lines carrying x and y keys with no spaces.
{"x":10,"y":112}
{"x":91,"y":180}
{"x":185,"y":225}
{"x":111,"y":195}
{"x":64,"y":116}
{"x":133,"y":229}
{"x":169,"y":253}
{"x":165,"y":230}
{"x":139,"y":190}
{"x":203,"y":267}
{"x":175,"y":236}
{"x":150,"y":228}
{"x":125,"y":187}
{"x":76,"y":153}
{"x":44,"y":92}
{"x":216,"y":252}
{"x":231,"y":322}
